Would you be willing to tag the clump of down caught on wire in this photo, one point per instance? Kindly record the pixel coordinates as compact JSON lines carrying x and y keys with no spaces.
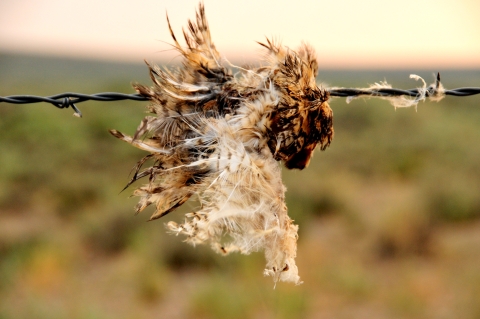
{"x":219,"y":137}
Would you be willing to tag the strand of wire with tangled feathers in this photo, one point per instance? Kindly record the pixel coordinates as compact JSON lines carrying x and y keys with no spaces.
{"x":70,"y":99}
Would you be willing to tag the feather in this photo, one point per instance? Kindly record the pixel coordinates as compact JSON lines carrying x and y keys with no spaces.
{"x":220,"y":137}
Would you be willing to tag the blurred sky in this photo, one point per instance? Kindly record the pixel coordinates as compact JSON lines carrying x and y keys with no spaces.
{"x":346,"y":33}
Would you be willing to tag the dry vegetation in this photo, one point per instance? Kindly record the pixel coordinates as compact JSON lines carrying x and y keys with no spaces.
{"x":389,"y":215}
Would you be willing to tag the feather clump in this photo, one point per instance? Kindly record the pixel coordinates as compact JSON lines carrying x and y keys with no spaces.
{"x":219,"y":137}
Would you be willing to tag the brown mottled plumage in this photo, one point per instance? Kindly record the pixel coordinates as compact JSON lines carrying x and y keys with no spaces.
{"x":219,"y":137}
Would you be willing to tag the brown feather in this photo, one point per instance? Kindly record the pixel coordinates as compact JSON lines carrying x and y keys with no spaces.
{"x":220,"y":136}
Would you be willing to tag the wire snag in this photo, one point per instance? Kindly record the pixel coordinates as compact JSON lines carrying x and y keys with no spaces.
{"x":66,"y":103}
{"x":77,"y":111}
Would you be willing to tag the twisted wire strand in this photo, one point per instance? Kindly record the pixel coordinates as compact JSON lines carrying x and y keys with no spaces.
{"x":69,"y":99}
{"x":345,"y":92}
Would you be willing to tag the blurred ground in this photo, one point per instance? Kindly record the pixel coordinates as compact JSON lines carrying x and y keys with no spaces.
{"x":389,"y":215}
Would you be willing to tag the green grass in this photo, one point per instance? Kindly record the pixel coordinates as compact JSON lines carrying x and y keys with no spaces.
{"x":389,"y":214}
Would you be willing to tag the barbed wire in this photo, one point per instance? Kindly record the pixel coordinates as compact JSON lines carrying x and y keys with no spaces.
{"x":69,"y":99}
{"x":344,"y":92}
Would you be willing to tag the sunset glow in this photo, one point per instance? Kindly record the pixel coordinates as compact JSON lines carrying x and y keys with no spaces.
{"x":346,"y":34}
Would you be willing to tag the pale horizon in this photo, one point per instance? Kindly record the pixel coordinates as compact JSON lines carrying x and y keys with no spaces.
{"x":370,"y":34}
